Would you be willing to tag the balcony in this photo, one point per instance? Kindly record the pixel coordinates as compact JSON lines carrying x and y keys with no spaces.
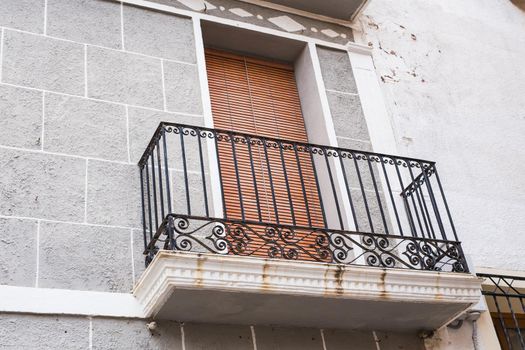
{"x":247,"y":229}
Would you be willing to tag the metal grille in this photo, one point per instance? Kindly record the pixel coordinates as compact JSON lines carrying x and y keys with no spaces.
{"x":505,"y":297}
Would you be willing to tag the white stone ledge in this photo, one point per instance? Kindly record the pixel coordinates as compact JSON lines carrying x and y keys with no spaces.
{"x":68,"y":302}
{"x":175,"y":272}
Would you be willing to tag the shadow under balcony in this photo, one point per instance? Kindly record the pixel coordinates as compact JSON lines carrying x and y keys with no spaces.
{"x":245,"y":229}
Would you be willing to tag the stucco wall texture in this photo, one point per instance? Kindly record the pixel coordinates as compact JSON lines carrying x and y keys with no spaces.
{"x":453,"y":79}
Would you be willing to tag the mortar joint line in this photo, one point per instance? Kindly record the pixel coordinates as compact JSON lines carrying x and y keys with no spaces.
{"x":45,"y":17}
{"x":86,"y":192}
{"x":322,"y":338}
{"x":122,"y":25}
{"x":43,"y":120}
{"x":254,"y":338}
{"x":85,"y":72}
{"x":126,"y":108}
{"x":182,"y":336}
{"x":90,"y":332}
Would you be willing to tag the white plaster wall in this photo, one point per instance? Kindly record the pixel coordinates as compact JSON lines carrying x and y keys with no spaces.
{"x":453,"y":77}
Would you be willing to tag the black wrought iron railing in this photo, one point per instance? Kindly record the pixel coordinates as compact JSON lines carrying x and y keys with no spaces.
{"x":210,"y":190}
{"x":505,"y":296}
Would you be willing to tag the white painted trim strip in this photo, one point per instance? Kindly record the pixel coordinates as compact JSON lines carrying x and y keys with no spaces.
{"x":68,"y":302}
{"x":185,"y":13}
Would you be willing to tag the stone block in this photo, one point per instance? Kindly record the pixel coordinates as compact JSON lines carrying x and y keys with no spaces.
{"x":399,"y":341}
{"x":18,"y":247}
{"x":121,"y":334}
{"x":373,"y":208}
{"x":142,"y":126}
{"x":217,"y":337}
{"x":358,"y":145}
{"x":21,"y":122}
{"x":196,"y":191}
{"x":347,"y":115}
{"x":124,"y":77}
{"x":138,"y":249}
{"x":25,"y":15}
{"x":336,"y":339}
{"x":84,"y":257}
{"x":85,"y":127}
{"x":42,"y":185}
{"x":113,"y":194}
{"x":43,"y":63}
{"x":269,"y":338}
{"x":39,"y":332}
{"x":182,"y":88}
{"x":336,"y":70}
{"x":159,"y":34}
{"x":94,"y":22}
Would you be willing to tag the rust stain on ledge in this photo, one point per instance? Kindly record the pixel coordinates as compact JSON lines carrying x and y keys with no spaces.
{"x":199,"y":271}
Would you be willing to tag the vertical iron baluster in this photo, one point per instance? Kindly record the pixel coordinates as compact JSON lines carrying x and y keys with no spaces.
{"x":154,"y":190}
{"x":185,"y":168}
{"x":286,"y":181}
{"x":433,"y":199}
{"x":311,"y":151}
{"x":391,"y":195}
{"x":203,"y":175}
{"x":334,"y":191}
{"x":348,"y":191}
{"x":522,"y":341}
{"x":411,"y":195}
{"x":378,"y":197}
{"x":149,"y":200}
{"x":256,"y":190}
{"x":421,"y":202}
{"x":363,"y":192}
{"x":266,"y":145}
{"x":405,"y":200}
{"x":166,"y":170}
{"x":143,"y":207}
{"x":217,"y":155}
{"x":161,"y":192}
{"x":307,"y":208}
{"x":502,"y":322}
{"x":446,"y":205}
{"x":239,"y":190}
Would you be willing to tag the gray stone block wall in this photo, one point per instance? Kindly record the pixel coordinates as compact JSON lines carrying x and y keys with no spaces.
{"x":77,"y":108}
{"x":22,"y":331}
{"x":352,"y":132}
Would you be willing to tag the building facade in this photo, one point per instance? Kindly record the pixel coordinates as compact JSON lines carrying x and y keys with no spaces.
{"x":252,"y":175}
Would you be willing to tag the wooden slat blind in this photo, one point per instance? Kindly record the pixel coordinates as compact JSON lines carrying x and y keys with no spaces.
{"x":258,"y":97}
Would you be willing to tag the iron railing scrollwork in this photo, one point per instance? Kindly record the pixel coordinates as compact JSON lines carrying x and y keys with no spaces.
{"x":346,"y":206}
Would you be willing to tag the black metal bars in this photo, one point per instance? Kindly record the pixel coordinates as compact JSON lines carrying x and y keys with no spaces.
{"x":271,"y":181}
{"x":505,"y":296}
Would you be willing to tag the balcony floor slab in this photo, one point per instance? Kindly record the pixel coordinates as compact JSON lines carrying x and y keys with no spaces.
{"x":231,"y":289}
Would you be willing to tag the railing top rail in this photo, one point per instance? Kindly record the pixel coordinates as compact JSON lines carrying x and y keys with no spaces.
{"x":151,"y":144}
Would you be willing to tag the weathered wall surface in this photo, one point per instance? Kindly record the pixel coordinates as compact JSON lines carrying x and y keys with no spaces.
{"x":52,"y":332}
{"x":453,"y":78}
{"x":83,"y":85}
